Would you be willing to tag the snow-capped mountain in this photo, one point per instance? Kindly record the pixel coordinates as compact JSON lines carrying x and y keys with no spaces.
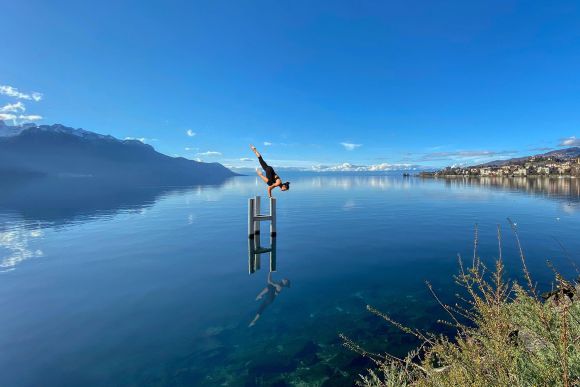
{"x":58,"y":151}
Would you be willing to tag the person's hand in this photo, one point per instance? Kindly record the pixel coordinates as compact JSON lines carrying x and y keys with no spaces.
{"x":259,"y":297}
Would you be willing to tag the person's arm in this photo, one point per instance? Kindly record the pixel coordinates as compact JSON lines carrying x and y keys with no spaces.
{"x":278,"y":183}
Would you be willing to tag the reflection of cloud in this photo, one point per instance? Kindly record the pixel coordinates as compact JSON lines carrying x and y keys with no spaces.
{"x":15,"y":243}
{"x":569,"y":208}
{"x":349,"y":205}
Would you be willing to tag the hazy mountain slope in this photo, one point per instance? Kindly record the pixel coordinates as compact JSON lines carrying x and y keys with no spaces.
{"x":59,"y":151}
{"x":567,"y":153}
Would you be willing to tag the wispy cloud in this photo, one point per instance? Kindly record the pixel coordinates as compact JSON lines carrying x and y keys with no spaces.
{"x":267,"y":143}
{"x":570,"y":141}
{"x":13,"y":108}
{"x":348,"y":167}
{"x":8,"y":116}
{"x":464,"y":155}
{"x":190,"y":133}
{"x":209,"y":154}
{"x":246,"y":159}
{"x":30,"y":117}
{"x":189,"y":149}
{"x":142,"y":139}
{"x":349,"y":146}
{"x":13,"y":92}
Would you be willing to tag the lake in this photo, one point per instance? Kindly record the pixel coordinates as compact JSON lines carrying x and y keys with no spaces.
{"x":153,"y":286}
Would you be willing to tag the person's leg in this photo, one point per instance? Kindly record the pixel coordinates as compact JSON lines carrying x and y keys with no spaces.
{"x":264,"y":178}
{"x":253,"y":148}
{"x":263,"y":164}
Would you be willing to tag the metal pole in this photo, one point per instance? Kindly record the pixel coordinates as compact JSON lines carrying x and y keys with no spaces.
{"x":251,"y":256}
{"x":251,"y":218}
{"x":273,"y":215}
{"x":273,"y":254}
{"x":257,"y":211}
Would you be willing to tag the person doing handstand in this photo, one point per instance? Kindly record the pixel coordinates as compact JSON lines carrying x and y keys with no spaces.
{"x":271,"y":179}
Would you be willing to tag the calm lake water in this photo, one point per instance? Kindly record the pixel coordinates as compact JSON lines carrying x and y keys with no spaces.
{"x":152,"y":287}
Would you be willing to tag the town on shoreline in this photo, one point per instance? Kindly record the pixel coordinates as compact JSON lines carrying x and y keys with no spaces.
{"x":541,"y":165}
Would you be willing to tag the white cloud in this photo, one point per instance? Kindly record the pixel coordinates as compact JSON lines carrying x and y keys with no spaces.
{"x":246,"y":159}
{"x":189,"y":149}
{"x":13,"y":92}
{"x":209,"y":154}
{"x":13,"y":108}
{"x":267,"y":143}
{"x":31,"y":117}
{"x":198,"y":160}
{"x":466,"y":155}
{"x":190,"y":133}
{"x":7,"y":117}
{"x":348,"y":167}
{"x":570,"y":141}
{"x":142,"y":139}
{"x":350,"y":146}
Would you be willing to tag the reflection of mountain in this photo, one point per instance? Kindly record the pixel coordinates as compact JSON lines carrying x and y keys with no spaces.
{"x":567,"y":189}
{"x":59,"y":151}
{"x":65,"y":200}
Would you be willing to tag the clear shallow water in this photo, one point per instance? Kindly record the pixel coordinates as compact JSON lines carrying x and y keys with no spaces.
{"x":151,"y":286}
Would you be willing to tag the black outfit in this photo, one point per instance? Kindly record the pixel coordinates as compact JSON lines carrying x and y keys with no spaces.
{"x":270,"y":173}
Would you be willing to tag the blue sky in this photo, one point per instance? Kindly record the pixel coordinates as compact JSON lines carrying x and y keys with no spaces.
{"x":323,"y":82}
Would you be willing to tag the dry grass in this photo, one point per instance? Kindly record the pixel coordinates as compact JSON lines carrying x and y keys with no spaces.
{"x":506,"y":335}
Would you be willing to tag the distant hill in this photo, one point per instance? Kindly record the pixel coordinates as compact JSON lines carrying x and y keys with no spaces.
{"x":567,"y":153}
{"x":57,"y":151}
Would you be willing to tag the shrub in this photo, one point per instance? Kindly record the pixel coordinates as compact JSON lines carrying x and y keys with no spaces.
{"x":506,"y":335}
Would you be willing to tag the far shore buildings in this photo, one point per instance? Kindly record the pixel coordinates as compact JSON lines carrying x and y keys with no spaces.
{"x":534,"y":166}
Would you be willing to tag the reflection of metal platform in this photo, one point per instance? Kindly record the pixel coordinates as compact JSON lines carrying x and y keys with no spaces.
{"x":255,"y":250}
{"x":255,"y":217}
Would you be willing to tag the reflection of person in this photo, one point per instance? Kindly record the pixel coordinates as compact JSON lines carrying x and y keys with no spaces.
{"x":271,"y":178}
{"x":269,"y":294}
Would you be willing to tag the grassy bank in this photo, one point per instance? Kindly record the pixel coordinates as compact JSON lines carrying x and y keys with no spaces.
{"x":506,"y":335}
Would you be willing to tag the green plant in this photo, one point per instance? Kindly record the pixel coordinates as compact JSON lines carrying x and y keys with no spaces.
{"x":506,"y":335}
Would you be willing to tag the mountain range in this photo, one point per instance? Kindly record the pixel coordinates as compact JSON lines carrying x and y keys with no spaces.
{"x":566,"y":153}
{"x":58,"y":151}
